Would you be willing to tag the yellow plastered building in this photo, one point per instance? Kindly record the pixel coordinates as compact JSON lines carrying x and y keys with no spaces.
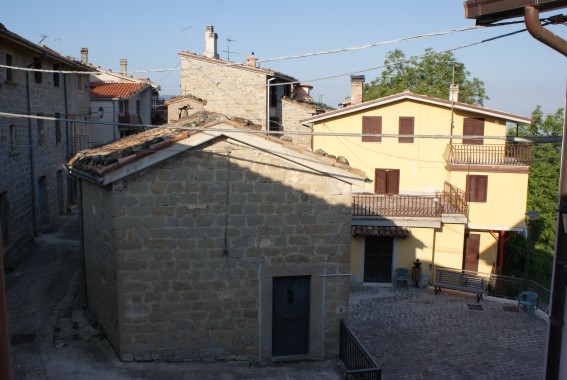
{"x":443,"y":184}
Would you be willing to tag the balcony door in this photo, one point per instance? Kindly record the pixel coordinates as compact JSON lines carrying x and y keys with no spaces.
{"x":387,"y":181}
{"x":378,"y":259}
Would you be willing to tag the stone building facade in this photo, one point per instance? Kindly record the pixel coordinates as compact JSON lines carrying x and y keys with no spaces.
{"x":34,"y":187}
{"x":243,"y":89}
{"x":219,"y":245}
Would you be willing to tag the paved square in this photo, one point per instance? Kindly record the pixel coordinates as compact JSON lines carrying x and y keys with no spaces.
{"x":414,"y":334}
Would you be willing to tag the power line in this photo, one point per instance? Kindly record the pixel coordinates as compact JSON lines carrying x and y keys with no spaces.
{"x":536,"y":139}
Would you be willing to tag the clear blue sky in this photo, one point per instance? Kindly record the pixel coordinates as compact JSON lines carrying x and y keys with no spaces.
{"x":519,"y":72}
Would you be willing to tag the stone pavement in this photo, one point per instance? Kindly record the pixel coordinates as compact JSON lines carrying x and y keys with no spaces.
{"x":414,"y":334}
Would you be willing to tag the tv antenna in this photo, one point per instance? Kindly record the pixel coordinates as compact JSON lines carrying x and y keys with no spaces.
{"x":189,"y":29}
{"x":228,"y":42}
{"x":59,"y":39}
{"x":43,"y":37}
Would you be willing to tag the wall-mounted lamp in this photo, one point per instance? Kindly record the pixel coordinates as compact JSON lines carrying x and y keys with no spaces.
{"x":100,"y":112}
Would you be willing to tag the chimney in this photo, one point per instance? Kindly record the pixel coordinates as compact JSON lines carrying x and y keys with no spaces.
{"x":210,"y":42}
{"x":123,"y":66}
{"x":356,"y":86}
{"x":84,"y":55}
{"x":251,"y":60}
{"x":454,"y":92}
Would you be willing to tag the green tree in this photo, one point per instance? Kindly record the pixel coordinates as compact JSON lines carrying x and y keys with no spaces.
{"x":543,"y":186}
{"x":431,"y":74}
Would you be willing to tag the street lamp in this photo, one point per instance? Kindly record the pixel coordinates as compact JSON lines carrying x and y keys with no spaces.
{"x":531,"y":217}
{"x":100,"y":112}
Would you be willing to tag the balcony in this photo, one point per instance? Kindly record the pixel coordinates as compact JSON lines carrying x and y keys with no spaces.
{"x":491,"y":155}
{"x":450,"y":201}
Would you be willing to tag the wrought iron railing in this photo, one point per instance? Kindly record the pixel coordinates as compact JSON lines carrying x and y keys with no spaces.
{"x":453,"y":200}
{"x":358,"y":362}
{"x":508,"y":287}
{"x":504,"y":154}
{"x":450,"y":201}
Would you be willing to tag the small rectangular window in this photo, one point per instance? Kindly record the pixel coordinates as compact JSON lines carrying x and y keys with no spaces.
{"x":386,"y":181}
{"x":273,"y":96}
{"x":473,"y":127}
{"x":37,"y":74}
{"x":79,"y":82}
{"x":372,"y":125}
{"x":138,"y":107}
{"x":13,"y":138}
{"x":57,"y":129}
{"x":40,"y":132}
{"x":123,"y":107}
{"x":477,"y":188}
{"x":9,"y":72}
{"x":406,"y":128}
{"x":56,"y":75}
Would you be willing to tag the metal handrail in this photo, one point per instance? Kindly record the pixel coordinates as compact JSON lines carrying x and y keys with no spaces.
{"x":514,"y":154}
{"x":358,"y":362}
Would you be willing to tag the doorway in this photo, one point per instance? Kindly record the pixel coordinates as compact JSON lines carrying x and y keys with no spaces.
{"x":378,"y":259}
{"x":472,"y":252}
{"x":290,"y":315}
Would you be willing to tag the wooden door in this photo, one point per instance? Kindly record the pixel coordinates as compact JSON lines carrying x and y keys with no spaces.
{"x":472,"y":252}
{"x":378,"y":259}
{"x":290,"y":315}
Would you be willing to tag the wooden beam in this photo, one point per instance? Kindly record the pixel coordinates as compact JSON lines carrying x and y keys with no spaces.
{"x":489,"y":11}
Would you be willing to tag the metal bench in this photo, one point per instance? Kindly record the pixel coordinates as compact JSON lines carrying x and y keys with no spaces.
{"x":459,"y":280}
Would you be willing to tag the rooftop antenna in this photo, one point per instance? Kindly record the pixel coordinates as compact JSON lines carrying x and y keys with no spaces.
{"x":59,"y":39}
{"x":43,"y":37}
{"x":189,"y":29}
{"x":228,"y":41}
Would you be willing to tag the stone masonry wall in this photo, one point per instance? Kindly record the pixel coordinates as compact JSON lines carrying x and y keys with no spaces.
{"x":22,"y":158}
{"x":226,"y":89}
{"x":193,"y":237}
{"x":100,"y":263}
{"x":293,"y":112}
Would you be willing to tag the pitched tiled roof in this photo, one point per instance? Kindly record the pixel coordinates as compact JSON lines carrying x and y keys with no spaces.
{"x":408,"y":95}
{"x":95,"y":163}
{"x":115,"y":90}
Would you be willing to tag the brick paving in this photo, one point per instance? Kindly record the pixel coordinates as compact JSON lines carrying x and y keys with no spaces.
{"x":414,"y":334}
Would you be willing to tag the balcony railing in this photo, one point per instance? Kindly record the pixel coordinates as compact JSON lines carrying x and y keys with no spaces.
{"x":508,"y":154}
{"x":450,"y":201}
{"x":358,"y":362}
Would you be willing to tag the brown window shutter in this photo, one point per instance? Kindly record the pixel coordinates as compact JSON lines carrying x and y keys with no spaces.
{"x":477,"y":188}
{"x":371,"y":125}
{"x":406,"y":128}
{"x":380,"y":176}
{"x":393,"y":181}
{"x":473,"y":127}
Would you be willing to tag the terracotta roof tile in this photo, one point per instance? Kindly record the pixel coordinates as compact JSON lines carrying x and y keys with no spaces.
{"x":115,"y":90}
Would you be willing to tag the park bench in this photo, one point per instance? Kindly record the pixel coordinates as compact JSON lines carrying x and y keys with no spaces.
{"x":458,"y":280}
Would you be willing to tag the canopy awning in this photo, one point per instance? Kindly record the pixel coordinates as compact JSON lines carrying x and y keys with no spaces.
{"x":386,"y":231}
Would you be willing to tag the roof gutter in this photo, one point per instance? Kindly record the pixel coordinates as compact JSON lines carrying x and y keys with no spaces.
{"x":531,"y":17}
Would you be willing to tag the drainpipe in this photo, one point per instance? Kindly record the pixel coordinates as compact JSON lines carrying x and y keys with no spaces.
{"x":531,"y":18}
{"x":32,"y":167}
{"x":555,"y":351}
{"x":268,"y":106}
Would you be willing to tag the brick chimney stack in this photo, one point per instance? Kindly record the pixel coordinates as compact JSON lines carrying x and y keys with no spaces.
{"x":123,"y":66}
{"x":251,"y":60}
{"x":356,"y":87}
{"x":84,"y":55}
{"x":211,"y":42}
